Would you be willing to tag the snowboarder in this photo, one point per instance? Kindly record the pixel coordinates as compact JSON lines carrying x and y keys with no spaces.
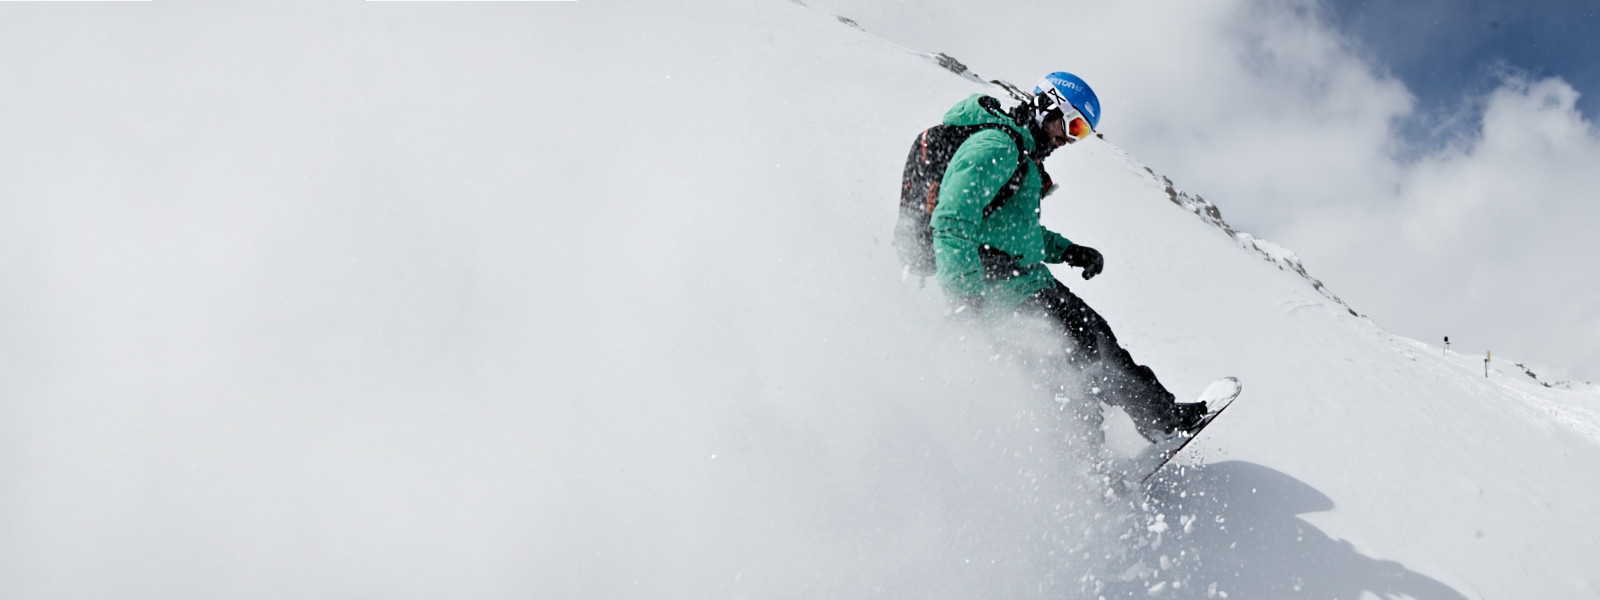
{"x":990,"y":261}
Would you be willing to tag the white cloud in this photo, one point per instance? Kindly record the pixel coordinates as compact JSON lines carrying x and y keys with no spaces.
{"x":1490,"y":237}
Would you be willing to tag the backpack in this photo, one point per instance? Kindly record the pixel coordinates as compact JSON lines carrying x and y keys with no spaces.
{"x":919,"y":186}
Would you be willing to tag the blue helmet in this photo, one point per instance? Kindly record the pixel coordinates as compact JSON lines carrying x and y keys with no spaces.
{"x":1061,"y":86}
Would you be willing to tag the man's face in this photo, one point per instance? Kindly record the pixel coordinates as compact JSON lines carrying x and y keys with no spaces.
{"x":1055,"y":129}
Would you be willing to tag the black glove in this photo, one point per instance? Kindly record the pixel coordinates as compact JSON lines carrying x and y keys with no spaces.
{"x":1079,"y":255}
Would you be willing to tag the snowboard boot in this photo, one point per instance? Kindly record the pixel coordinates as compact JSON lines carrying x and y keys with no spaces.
{"x":1180,"y":419}
{"x":1188,"y":416}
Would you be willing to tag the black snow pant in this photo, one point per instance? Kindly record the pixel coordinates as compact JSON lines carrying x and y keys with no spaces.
{"x":1101,"y":369}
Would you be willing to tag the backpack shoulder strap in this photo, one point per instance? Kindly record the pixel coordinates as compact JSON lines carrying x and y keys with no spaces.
{"x":1021,"y":171}
{"x":1010,"y":188}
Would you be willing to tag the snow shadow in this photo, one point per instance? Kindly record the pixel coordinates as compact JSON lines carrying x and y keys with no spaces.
{"x":1232,"y":530}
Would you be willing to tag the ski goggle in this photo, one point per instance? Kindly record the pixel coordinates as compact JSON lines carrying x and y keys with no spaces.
{"x":1074,"y":124}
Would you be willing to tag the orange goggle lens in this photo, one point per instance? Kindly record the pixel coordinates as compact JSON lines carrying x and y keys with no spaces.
{"x":1078,"y":128}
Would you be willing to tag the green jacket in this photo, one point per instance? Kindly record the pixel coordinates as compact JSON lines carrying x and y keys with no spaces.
{"x":983,"y":164}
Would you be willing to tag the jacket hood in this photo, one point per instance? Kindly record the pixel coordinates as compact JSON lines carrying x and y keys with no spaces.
{"x":978,"y":109}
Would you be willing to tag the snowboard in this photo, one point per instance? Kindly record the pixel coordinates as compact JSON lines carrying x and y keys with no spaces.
{"x":1218,"y":397}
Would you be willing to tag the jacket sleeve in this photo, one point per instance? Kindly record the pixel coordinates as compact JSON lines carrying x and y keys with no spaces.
{"x":979,"y":168}
{"x":1055,"y":246}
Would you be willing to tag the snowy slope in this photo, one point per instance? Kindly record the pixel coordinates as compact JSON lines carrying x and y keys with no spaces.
{"x":575,"y":300}
{"x":1405,"y":454}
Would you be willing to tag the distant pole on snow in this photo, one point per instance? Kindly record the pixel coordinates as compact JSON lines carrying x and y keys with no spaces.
{"x":1446,"y":344}
{"x":1486,"y":355}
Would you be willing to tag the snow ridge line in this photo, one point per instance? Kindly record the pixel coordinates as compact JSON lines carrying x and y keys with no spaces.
{"x":1283,"y":258}
{"x":1279,"y":256}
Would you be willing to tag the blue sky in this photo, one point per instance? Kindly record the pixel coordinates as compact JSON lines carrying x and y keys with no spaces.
{"x":1451,"y":52}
